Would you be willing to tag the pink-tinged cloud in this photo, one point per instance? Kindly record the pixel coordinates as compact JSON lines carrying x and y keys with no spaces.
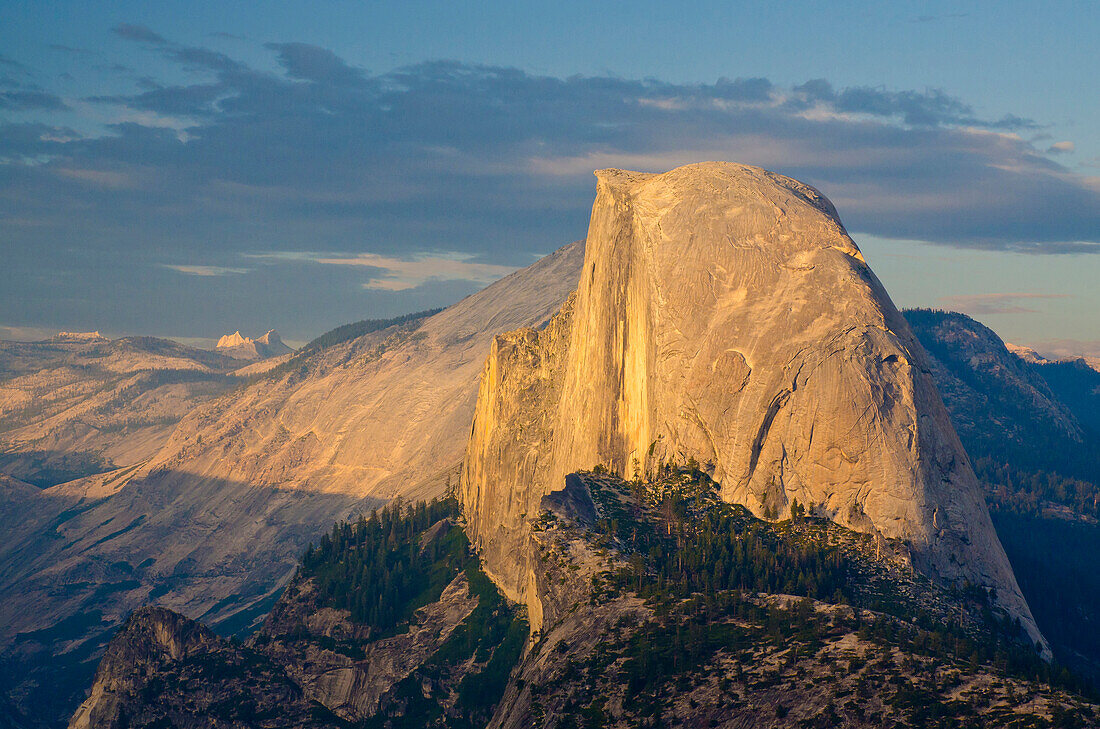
{"x":399,"y":274}
{"x":996,"y":303}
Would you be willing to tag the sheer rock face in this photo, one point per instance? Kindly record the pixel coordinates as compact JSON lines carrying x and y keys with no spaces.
{"x":724,"y":314}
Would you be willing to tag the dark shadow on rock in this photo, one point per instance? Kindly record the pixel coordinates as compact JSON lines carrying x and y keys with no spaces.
{"x":44,"y":468}
{"x":572,"y":503}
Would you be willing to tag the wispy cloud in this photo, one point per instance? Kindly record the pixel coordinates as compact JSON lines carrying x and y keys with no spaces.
{"x":399,"y":274}
{"x":195,"y":270}
{"x":101,"y":178}
{"x":996,"y":303}
{"x":140,"y":33}
{"x":31,"y":100}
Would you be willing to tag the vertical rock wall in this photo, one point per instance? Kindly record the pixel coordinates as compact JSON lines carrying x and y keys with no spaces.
{"x":724,"y":314}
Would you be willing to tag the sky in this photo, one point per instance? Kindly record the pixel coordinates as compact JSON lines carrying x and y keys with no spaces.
{"x":187,"y":169}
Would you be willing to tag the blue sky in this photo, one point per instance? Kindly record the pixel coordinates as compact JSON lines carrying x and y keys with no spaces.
{"x":185,"y":169}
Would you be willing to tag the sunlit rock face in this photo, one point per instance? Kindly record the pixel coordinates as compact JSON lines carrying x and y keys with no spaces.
{"x":724,"y":314}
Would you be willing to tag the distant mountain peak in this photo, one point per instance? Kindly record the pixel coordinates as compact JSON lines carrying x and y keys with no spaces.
{"x":241,"y":347}
{"x":233,"y":340}
{"x":80,"y":336}
{"x":1025,"y":353}
{"x":271,"y":338}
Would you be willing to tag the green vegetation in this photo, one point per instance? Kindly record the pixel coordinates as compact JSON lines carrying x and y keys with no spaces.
{"x":1027,"y":493}
{"x":48,"y":468}
{"x":693,"y":542}
{"x":492,"y":637}
{"x":693,"y":555}
{"x":382,"y":569}
{"x":700,"y":563}
{"x":348,"y":332}
{"x":377,"y":569}
{"x":1041,"y":484}
{"x":1057,"y":564}
{"x":1005,"y":428}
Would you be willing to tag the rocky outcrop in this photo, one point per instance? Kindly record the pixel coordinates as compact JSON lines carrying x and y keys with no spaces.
{"x":163,"y":669}
{"x":638,"y":630}
{"x":995,"y":393}
{"x":723,"y":314}
{"x":300,"y":634}
{"x":312,"y":664}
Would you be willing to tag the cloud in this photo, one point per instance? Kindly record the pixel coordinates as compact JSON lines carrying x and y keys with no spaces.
{"x":1060,"y":148}
{"x":493,"y":164}
{"x":487,"y":156}
{"x":311,"y":63}
{"x":100,"y":178}
{"x":139,"y":33}
{"x":929,"y":108}
{"x":996,"y":303}
{"x":13,"y":64}
{"x":194,"y":270}
{"x":400,"y":274}
{"x":31,"y":101}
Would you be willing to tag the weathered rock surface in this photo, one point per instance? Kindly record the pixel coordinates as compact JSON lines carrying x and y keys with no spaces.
{"x":724,"y":314}
{"x":994,"y":392}
{"x":328,"y":669}
{"x":603,"y":655}
{"x":353,"y":686}
{"x":214,"y":523}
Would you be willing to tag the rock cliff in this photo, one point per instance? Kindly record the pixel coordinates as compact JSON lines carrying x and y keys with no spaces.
{"x":1035,"y":415}
{"x":723,"y":314}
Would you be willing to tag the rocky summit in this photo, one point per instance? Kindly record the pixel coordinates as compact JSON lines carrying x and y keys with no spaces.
{"x":240,"y":347}
{"x":724,"y":315}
